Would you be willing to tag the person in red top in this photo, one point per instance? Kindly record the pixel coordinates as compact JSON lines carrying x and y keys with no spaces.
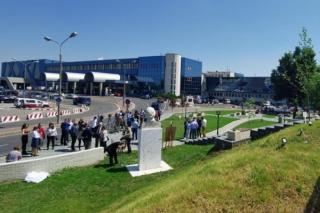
{"x":42,"y":133}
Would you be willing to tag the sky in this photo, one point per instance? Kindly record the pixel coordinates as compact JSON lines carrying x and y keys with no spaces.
{"x":245,"y":36}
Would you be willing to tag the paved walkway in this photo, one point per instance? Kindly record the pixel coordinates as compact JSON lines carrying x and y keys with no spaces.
{"x":116,"y":137}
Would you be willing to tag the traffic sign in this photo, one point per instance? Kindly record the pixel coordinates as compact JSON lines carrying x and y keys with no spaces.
{"x":59,"y":100}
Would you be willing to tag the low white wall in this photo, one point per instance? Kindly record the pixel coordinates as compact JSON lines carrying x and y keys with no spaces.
{"x":19,"y":169}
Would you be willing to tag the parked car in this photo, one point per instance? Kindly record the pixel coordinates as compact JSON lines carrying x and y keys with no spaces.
{"x":44,"y":103}
{"x":7,"y":99}
{"x":71,"y":96}
{"x":30,"y":103}
{"x":82,"y":101}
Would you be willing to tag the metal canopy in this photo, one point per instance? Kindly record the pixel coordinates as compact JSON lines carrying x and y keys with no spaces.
{"x":73,"y":77}
{"x":101,"y":77}
{"x":51,"y":76}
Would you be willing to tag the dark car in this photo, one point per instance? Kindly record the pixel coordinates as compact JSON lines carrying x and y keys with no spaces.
{"x":82,"y":101}
{"x":7,"y":99}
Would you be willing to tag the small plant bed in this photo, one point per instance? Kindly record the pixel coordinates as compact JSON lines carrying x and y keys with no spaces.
{"x":257,"y":123}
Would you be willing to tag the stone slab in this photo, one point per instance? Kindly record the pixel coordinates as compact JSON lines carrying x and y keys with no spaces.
{"x":150,"y":145}
{"x":135,"y":172}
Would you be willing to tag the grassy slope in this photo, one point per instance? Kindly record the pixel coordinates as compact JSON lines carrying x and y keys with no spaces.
{"x":252,"y":178}
{"x":211,"y":122}
{"x":93,"y":188}
{"x":255,"y":124}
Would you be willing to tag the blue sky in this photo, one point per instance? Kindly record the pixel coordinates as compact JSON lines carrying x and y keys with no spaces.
{"x":247,"y":36}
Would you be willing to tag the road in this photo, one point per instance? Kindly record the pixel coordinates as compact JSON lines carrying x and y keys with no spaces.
{"x":100,"y":105}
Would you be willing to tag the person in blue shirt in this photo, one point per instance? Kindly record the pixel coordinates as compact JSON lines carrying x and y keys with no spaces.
{"x":65,"y":125}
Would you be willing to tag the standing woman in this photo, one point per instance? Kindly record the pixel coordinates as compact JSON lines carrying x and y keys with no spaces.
{"x":42,"y":133}
{"x":51,"y":135}
{"x":24,"y":138}
{"x":35,"y":141}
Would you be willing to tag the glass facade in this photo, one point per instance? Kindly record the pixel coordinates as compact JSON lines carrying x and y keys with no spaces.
{"x":144,"y":74}
{"x":191,"y":71}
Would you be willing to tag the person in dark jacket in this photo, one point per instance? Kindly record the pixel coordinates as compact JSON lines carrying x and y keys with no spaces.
{"x":74,"y":131}
{"x":87,"y":136}
{"x":112,"y":152}
{"x":64,"y":132}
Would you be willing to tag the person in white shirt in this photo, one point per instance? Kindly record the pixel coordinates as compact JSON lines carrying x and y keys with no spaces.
{"x":51,"y":135}
{"x":35,"y":141}
{"x":194,"y":127}
{"x":14,"y":155}
{"x":204,"y":126}
{"x":93,"y":123}
{"x":134,"y":129}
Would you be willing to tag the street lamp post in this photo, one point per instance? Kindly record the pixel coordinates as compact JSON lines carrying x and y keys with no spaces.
{"x":185,"y":97}
{"x":25,"y":73}
{"x":60,"y":44}
{"x":218,"y":114}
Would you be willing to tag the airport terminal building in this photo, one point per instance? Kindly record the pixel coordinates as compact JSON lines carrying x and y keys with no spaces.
{"x":236,"y":87}
{"x":151,"y":74}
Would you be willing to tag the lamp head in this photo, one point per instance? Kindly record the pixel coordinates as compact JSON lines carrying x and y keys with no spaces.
{"x":73,"y":34}
{"x":47,"y":38}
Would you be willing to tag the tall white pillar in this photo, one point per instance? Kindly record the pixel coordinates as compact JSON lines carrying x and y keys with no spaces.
{"x":100,"y":88}
{"x":91,"y":87}
{"x":74,"y":87}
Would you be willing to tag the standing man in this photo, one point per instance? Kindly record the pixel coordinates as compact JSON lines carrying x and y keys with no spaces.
{"x":194,"y":128}
{"x":74,"y":131}
{"x":199,"y":121}
{"x":87,"y":136}
{"x":204,"y":126}
{"x":97,"y":134}
{"x":64,"y":132}
{"x":127,"y":136}
{"x":134,"y":129}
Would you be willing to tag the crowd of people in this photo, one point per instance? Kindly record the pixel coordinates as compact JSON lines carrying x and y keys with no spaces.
{"x":78,"y":134}
{"x":195,"y":128}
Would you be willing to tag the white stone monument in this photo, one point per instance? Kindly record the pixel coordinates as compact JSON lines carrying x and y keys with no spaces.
{"x":149,"y":148}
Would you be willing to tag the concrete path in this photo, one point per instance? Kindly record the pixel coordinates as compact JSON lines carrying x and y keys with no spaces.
{"x":228,"y":127}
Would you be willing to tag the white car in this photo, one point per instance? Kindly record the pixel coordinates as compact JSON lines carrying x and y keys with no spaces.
{"x":71,"y":96}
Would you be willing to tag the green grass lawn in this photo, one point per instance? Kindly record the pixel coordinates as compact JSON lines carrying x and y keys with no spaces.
{"x":270,"y":116}
{"x":256,"y":124}
{"x":94,"y":188}
{"x":223,"y":112}
{"x":256,"y":177}
{"x":178,"y":121}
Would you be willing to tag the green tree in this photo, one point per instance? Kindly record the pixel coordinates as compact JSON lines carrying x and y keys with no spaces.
{"x":290,"y":79}
{"x":313,"y":88}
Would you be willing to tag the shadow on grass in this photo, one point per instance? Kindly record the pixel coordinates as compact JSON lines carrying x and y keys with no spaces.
{"x":216,"y":149}
{"x":117,"y":169}
{"x":112,"y":169}
{"x":313,"y":205}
